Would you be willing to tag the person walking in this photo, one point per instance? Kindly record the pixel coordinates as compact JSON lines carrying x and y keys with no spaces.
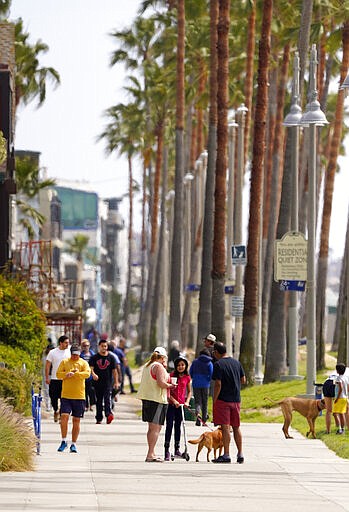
{"x":73,"y":372}
{"x":126,"y":370}
{"x":228,"y":376}
{"x":155,"y":383}
{"x":90,"y":396}
{"x":340,"y":402}
{"x":53,"y":359}
{"x":201,"y":370}
{"x":105,"y":377}
{"x":179,"y":396}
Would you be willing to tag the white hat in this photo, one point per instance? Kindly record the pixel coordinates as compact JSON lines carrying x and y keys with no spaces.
{"x":210,"y":337}
{"x":160,"y":350}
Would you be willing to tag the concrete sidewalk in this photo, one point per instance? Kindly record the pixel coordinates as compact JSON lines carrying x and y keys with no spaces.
{"x":109,"y":473}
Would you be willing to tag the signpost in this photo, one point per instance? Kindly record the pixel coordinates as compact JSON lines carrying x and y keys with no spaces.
{"x":290,"y":257}
{"x":238,"y":254}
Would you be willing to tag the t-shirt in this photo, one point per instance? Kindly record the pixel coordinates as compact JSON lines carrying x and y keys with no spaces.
{"x":73,"y":387}
{"x":103,"y":366}
{"x":179,"y":393}
{"x":229,"y":371}
{"x":344,"y":392}
{"x":55,"y":356}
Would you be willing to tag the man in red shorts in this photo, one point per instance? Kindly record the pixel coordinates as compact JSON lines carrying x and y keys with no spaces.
{"x":228,"y":375}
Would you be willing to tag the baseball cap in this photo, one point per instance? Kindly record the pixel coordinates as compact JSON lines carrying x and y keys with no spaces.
{"x":210,"y":337}
{"x":160,"y":350}
{"x":75,"y":349}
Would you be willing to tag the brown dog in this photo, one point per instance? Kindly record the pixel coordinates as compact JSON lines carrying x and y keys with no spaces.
{"x":308,"y":408}
{"x":209,"y":440}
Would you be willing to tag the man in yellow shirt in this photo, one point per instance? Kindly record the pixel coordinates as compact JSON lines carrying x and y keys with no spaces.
{"x":73,"y":372}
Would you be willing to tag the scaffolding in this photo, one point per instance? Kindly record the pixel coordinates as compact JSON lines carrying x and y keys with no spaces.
{"x":62,"y":301}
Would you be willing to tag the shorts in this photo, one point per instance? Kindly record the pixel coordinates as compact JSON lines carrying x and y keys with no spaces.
{"x":74,"y":406}
{"x":226,"y":413}
{"x":153,"y":412}
{"x":340,"y":406}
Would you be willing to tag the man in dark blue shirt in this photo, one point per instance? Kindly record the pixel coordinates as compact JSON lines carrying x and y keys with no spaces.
{"x":228,"y":375}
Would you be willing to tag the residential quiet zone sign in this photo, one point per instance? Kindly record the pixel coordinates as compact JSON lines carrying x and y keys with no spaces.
{"x":290,"y":257}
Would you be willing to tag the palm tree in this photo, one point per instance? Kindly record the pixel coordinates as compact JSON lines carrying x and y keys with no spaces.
{"x":327,"y":207}
{"x":177,"y":241}
{"x":249,"y":330}
{"x":205,"y":297}
{"x":77,"y":246}
{"x":219,"y":235}
{"x":30,"y":77}
{"x":123,"y":134}
{"x":29,"y":186}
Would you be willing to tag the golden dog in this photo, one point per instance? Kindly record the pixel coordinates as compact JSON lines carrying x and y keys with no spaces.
{"x":309,"y":408}
{"x":209,"y":440}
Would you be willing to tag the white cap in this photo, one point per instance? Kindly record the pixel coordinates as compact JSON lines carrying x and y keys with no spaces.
{"x":210,"y":337}
{"x":160,"y":350}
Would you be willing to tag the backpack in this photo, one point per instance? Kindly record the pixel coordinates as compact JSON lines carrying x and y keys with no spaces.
{"x":328,"y":388}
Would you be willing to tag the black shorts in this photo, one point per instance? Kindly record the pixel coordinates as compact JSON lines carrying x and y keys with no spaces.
{"x":153,"y":412}
{"x":72,"y":406}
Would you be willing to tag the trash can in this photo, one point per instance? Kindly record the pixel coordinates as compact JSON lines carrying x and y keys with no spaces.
{"x":189,"y":412}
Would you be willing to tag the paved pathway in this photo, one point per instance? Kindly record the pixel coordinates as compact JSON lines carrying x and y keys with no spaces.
{"x":109,"y":473}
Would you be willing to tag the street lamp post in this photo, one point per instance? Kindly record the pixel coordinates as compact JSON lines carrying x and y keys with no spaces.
{"x":312,"y":118}
{"x":230,"y":228}
{"x":292,"y":120}
{"x":238,"y":290}
{"x":345,"y":86}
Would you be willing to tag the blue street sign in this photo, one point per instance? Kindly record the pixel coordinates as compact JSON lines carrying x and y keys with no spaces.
{"x":192,"y":287}
{"x":294,"y":286}
{"x":229,"y":290}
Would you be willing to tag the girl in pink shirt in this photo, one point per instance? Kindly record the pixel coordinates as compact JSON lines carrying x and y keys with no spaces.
{"x":178,"y":396}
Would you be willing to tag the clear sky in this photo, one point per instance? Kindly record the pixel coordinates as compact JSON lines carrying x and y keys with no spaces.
{"x":64,"y":130}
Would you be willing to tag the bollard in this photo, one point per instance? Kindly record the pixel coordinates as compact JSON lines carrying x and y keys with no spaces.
{"x":318,"y":393}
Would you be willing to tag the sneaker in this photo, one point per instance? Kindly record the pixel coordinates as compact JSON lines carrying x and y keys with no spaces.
{"x":73,"y":448}
{"x":62,"y":446}
{"x":98,"y":422}
{"x":167,"y":456}
{"x":198,"y":422}
{"x":240,"y":459}
{"x":222,"y":459}
{"x":56,"y":416}
{"x":110,"y":418}
{"x":178,"y":453}
{"x":340,"y":431}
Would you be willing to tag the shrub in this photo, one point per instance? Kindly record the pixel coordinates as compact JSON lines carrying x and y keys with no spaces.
{"x":17,"y":441}
{"x":22,"y":327}
{"x":15,"y":387}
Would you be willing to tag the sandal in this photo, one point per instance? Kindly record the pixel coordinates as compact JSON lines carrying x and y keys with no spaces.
{"x":155,"y":459}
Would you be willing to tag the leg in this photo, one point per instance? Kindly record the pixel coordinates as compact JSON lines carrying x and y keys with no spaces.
{"x":204,"y":401}
{"x":152,"y":437}
{"x":328,"y":402}
{"x":99,"y":404}
{"x":64,"y":425}
{"x":169,"y":426}
{"x":197,"y":398}
{"x":238,"y":439}
{"x":75,"y":429}
{"x":226,"y":438}
{"x":107,"y":401}
{"x":54,"y":395}
{"x":178,"y":421}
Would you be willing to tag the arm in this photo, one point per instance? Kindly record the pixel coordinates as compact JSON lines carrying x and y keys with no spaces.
{"x":47,"y":371}
{"x":84,"y":373}
{"x":116,"y":377}
{"x":94,"y":375}
{"x":187,"y":400}
{"x":217,"y":389}
{"x":339,"y":391}
{"x":161,"y":376}
{"x":61,"y":371}
{"x":243,"y":380}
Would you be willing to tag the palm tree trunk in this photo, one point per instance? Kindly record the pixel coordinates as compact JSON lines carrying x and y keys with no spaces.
{"x":219,"y":234}
{"x":340,"y":341}
{"x":177,"y":241}
{"x":251,"y":31}
{"x":204,"y":316}
{"x":327,"y":208}
{"x":127,"y":302}
{"x":249,"y":329}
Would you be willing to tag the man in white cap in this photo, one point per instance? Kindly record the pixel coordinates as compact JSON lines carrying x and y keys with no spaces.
{"x":73,"y":372}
